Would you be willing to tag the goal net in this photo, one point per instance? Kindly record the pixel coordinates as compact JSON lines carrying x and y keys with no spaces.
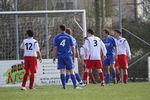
{"x":43,"y":23}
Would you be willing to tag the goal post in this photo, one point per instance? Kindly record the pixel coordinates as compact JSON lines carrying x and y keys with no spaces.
{"x":47,"y":18}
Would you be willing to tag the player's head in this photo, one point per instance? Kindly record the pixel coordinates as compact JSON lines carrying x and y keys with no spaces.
{"x":105,"y":33}
{"x":90,"y":32}
{"x":69,"y":31}
{"x":30,"y":33}
{"x":62,"y":28}
{"x":117,"y":33}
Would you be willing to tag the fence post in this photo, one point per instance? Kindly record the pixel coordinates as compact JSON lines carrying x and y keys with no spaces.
{"x":149,"y":69}
{"x":46,"y":31}
{"x":17,"y":32}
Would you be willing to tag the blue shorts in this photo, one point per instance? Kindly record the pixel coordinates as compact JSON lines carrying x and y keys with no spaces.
{"x":109,"y":60}
{"x":65,"y":63}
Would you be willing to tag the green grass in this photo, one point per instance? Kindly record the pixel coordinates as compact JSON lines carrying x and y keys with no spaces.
{"x":131,"y":91}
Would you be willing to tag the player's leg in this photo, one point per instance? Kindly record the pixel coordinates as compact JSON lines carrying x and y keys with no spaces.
{"x":70,"y":67}
{"x":107,"y":75}
{"x":118,"y":75}
{"x":125,"y":76}
{"x":117,"y":68}
{"x":85,"y":75}
{"x":113,"y":73}
{"x":26,"y":75}
{"x":78,"y":78}
{"x":106,"y":64}
{"x":63,"y":78}
{"x":91,"y":76}
{"x":98,"y":65}
{"x":124,"y":66}
{"x":61,"y":67}
{"x":33,"y":70}
{"x":101,"y":75}
{"x":67,"y":76}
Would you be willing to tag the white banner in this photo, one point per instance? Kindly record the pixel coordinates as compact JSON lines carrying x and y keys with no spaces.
{"x":12,"y":72}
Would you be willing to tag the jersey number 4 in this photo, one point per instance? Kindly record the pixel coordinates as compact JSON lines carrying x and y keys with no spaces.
{"x":63,"y":43}
{"x":28,"y":46}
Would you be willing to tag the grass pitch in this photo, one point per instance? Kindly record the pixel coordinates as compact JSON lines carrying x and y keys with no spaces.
{"x":131,"y":91}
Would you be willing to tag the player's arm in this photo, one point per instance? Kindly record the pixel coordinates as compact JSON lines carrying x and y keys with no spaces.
{"x":54,"y":53}
{"x":127,"y":49}
{"x":73,"y":51}
{"x":37,"y":48}
{"x":55,"y":47}
{"x":39,"y":56}
{"x":82,"y":55}
{"x":22,"y":45}
{"x":115,"y":47}
{"x":103,"y":48}
{"x":86,"y":45}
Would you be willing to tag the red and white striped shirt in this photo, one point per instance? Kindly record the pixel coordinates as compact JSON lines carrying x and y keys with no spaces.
{"x":123,"y":46}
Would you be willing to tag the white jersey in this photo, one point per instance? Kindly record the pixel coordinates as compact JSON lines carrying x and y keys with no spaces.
{"x":94,"y":46}
{"x":84,"y":53}
{"x":30,"y":47}
{"x":123,"y":47}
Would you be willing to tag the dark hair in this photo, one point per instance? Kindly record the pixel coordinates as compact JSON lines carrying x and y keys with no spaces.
{"x":62,"y":27}
{"x":118,"y":31}
{"x":29,"y":33}
{"x":90,"y":31}
{"x":106,"y":31}
{"x":69,"y":31}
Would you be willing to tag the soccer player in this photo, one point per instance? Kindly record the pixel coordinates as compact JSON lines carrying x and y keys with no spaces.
{"x":109,"y":62}
{"x":31,"y":49}
{"x":84,"y":58}
{"x":78,"y":78}
{"x":124,"y":54}
{"x":63,"y":46}
{"x":94,"y":46}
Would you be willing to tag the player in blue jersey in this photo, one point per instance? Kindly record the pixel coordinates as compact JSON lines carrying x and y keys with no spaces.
{"x":78,"y":78}
{"x":109,"y":62}
{"x":63,"y":48}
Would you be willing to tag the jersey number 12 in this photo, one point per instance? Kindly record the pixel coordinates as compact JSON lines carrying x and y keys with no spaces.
{"x":28,"y":46}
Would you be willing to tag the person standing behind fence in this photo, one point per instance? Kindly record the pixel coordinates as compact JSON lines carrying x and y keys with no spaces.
{"x":124,"y":54}
{"x":31,"y":50}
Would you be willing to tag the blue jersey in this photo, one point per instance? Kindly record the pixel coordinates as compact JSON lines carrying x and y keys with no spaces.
{"x":64,"y":42}
{"x":74,"y":42}
{"x":110,"y":45}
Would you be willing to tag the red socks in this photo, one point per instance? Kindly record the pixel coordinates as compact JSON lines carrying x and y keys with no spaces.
{"x":125,"y":78}
{"x":31,"y":81}
{"x":91,"y":76}
{"x":85,"y":77}
{"x":25,"y":78}
{"x":101,"y":75}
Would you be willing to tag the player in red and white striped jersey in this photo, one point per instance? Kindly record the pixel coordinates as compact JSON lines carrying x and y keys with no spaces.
{"x":94,"y":46}
{"x":84,"y":58}
{"x":124,"y":54}
{"x":31,"y":49}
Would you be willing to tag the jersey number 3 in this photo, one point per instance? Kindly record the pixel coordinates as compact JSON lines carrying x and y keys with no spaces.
{"x":28,"y":46}
{"x":63,"y":43}
{"x":95,"y":43}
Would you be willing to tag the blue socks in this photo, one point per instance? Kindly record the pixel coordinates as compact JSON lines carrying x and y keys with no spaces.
{"x":78,"y":77}
{"x":63,"y":80}
{"x":113,"y":75}
{"x":73,"y":78}
{"x":107,"y":76}
{"x":67,"y":77}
